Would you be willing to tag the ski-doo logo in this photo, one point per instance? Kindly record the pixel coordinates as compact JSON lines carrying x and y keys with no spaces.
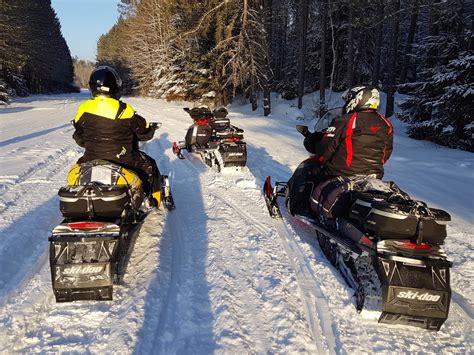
{"x":82,"y":270}
{"x":410,"y":295}
{"x":235,"y":154}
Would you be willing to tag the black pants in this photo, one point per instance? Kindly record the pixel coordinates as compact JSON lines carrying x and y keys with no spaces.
{"x":301,"y":184}
{"x":146,"y":168}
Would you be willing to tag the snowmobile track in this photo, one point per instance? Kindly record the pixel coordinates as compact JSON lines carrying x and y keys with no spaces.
{"x":312,"y":296}
{"x":174,"y":282}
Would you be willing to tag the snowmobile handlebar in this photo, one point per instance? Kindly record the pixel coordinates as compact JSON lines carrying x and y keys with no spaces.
{"x":303,"y":130}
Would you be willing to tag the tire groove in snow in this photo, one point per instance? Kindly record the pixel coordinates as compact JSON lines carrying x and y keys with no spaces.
{"x":239,"y":280}
{"x":321,"y":328}
{"x":266,"y":332}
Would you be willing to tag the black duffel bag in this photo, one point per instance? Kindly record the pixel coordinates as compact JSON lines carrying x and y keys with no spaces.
{"x":407,"y":219}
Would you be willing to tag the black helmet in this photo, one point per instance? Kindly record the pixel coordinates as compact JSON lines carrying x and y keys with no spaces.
{"x":220,"y":112}
{"x":361,"y":97}
{"x":105,"y":81}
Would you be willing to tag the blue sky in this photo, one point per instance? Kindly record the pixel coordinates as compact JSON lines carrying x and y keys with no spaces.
{"x":83,"y":21}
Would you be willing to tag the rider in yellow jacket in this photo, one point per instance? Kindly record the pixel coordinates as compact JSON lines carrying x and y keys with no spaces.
{"x":110,"y":129}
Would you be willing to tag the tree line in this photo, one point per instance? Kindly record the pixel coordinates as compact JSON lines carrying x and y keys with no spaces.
{"x":34,"y":56}
{"x":213,"y":50}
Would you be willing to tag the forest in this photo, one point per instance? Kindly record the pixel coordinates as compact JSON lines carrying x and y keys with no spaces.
{"x":34,"y":56}
{"x":214,"y":51}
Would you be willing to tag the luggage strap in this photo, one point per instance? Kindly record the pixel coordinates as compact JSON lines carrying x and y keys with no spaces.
{"x":122,"y":107}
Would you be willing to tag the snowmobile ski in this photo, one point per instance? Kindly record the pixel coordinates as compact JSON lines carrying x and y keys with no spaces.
{"x":166,"y":193}
{"x":271,"y":194}
{"x":177,"y":147}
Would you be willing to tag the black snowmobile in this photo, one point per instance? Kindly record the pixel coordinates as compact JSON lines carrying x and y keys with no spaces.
{"x":386,"y":245}
{"x":219,"y":143}
{"x":103,"y":206}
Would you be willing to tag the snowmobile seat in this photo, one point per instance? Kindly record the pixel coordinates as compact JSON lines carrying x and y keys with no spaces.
{"x":198,"y":113}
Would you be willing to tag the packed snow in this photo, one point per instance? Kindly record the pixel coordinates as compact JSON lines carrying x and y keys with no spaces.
{"x":217,"y":274}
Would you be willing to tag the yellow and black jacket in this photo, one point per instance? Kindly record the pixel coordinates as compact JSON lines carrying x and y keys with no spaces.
{"x":109,"y":129}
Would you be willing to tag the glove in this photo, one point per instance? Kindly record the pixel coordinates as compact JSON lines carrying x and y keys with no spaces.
{"x":303,"y":130}
{"x":154,"y":125}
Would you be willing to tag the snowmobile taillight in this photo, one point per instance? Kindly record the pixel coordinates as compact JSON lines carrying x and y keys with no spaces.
{"x":233,"y":139}
{"x":366,"y":241}
{"x":86,"y":225}
{"x":423,"y":246}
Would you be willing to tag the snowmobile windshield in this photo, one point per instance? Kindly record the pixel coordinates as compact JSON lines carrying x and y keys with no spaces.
{"x":325,"y":121}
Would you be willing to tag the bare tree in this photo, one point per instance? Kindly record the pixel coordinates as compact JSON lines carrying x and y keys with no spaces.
{"x":410,"y":38}
{"x":393,"y":59}
{"x":303,"y":20}
{"x":350,"y":46}
{"x":378,"y":44}
{"x":322,"y":64}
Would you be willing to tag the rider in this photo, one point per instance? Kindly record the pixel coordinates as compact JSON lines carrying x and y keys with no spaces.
{"x":110,"y":129}
{"x":359,"y":142}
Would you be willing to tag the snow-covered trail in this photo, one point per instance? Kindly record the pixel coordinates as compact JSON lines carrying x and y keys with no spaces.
{"x":217,"y":274}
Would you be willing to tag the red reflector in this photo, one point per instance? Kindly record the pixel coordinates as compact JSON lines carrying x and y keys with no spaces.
{"x":233,"y":139}
{"x":416,"y":246}
{"x":269,"y":186}
{"x":366,"y":241}
{"x":85,"y":225}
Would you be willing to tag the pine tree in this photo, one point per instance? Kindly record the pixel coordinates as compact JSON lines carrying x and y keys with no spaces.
{"x":440,"y":108}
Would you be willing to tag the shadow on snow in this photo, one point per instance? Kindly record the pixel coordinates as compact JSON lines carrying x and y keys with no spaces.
{"x":178,"y":315}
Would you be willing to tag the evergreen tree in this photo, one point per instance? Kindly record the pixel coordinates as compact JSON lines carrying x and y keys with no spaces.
{"x":33,"y":50}
{"x":440,"y":108}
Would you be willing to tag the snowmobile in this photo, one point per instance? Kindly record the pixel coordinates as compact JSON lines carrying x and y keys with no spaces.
{"x":219,"y":143}
{"x":386,"y":246}
{"x":104,"y":206}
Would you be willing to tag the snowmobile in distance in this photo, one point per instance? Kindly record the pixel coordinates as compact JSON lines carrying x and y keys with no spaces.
{"x":386,"y":245}
{"x":219,"y":143}
{"x":103,"y":206}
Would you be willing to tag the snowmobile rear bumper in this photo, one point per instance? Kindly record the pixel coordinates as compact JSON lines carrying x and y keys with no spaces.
{"x":87,"y":258}
{"x":414,"y":293}
{"x":218,"y":155}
